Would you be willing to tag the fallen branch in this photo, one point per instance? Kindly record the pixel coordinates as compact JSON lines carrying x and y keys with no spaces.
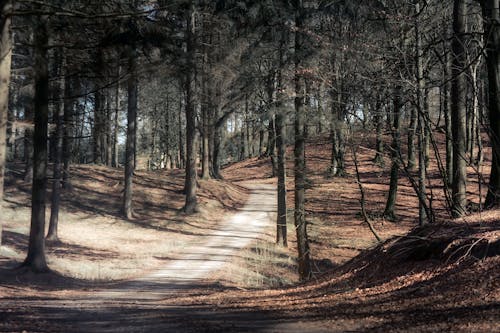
{"x":362,"y":199}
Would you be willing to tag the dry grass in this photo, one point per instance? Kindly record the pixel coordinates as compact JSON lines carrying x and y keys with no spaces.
{"x":96,"y":243}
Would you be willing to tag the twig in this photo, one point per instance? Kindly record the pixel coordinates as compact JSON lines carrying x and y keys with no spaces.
{"x":362,"y":200}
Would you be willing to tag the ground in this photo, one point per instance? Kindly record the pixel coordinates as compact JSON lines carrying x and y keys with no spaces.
{"x":219,"y":270}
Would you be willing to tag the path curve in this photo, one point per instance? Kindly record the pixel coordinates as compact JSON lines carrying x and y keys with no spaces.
{"x":196,"y":262}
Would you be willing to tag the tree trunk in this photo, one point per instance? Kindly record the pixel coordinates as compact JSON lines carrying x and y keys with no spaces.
{"x":28,"y":144}
{"x":99,"y":149}
{"x":281,"y":221}
{"x":116,"y":129}
{"x":216,"y":153}
{"x":491,"y":18}
{"x":271,"y":144}
{"x":379,"y":125}
{"x":458,"y":108}
{"x":5,"y":64}
{"x":412,"y":130}
{"x":299,"y":154}
{"x":109,"y":134}
{"x":205,"y":163}
{"x":131,"y":134}
{"x":191,"y":204}
{"x":59,"y":133}
{"x":35,"y":259}
{"x":182,"y":155}
{"x":337,"y":130}
{"x":447,"y":112}
{"x":421,"y":122}
{"x":281,"y":233}
{"x":390,"y":207}
{"x":68,"y":132}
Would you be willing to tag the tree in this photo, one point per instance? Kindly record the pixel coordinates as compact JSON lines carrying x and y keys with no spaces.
{"x":190,"y":187}
{"x":458,"y":108}
{"x":59,"y":134}
{"x":131,"y":132}
{"x":390,"y":206}
{"x":5,"y":63}
{"x":35,"y":259}
{"x":299,"y":150}
{"x":491,"y":17}
{"x":281,"y":229}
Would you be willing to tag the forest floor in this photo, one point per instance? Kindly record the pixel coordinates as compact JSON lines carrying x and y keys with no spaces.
{"x":219,"y":270}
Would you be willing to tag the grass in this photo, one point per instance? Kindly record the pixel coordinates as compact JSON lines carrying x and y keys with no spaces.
{"x":263,"y":265}
{"x":94,"y":248}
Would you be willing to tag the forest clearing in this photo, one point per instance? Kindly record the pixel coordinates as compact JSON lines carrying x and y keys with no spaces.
{"x":249,"y":166}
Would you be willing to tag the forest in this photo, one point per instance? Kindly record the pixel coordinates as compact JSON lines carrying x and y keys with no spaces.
{"x":249,"y":166}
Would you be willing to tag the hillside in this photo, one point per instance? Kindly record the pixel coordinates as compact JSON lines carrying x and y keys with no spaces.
{"x":444,"y":276}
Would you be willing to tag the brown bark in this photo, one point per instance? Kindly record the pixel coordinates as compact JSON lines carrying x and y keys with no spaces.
{"x":5,"y":64}
{"x":299,"y":154}
{"x":446,"y":110}
{"x":281,"y":221}
{"x":131,"y":134}
{"x":190,"y":187}
{"x":458,"y":109}
{"x":68,"y":132}
{"x":59,"y":133}
{"x":390,"y":207}
{"x":35,"y":259}
{"x":491,"y":17}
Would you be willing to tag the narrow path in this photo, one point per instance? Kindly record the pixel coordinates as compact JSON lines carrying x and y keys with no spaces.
{"x":142,"y":305}
{"x":196,"y":262}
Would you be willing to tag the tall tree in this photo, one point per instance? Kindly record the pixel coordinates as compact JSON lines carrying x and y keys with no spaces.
{"x":390,"y":206}
{"x":299,"y":149}
{"x":35,"y":259}
{"x":459,"y":108}
{"x":130,"y":148}
{"x":281,"y":228}
{"x":190,"y":187}
{"x":5,"y":63}
{"x":491,"y":18}
{"x":59,"y":134}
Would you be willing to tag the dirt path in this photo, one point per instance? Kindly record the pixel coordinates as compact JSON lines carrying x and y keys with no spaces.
{"x":143,"y":305}
{"x":195,"y":263}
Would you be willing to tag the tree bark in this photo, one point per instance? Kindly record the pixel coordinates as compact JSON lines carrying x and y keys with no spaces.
{"x":99,"y":147}
{"x":5,"y":64}
{"x":446,"y":110}
{"x":68,"y":132}
{"x":59,"y":133}
{"x":390,"y":207}
{"x":28,"y":144}
{"x":412,"y":130}
{"x":131,"y":134}
{"x":379,"y":125}
{"x":191,"y":204}
{"x":281,"y":233}
{"x":491,"y":18}
{"x":116,"y":129}
{"x":35,"y":259}
{"x":205,"y":165}
{"x":458,"y":109}
{"x":299,"y":153}
{"x":421,"y":121}
{"x":281,"y":220}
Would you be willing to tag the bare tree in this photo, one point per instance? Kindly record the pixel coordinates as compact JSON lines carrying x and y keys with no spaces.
{"x":458,"y":108}
{"x":5,"y":63}
{"x":35,"y":259}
